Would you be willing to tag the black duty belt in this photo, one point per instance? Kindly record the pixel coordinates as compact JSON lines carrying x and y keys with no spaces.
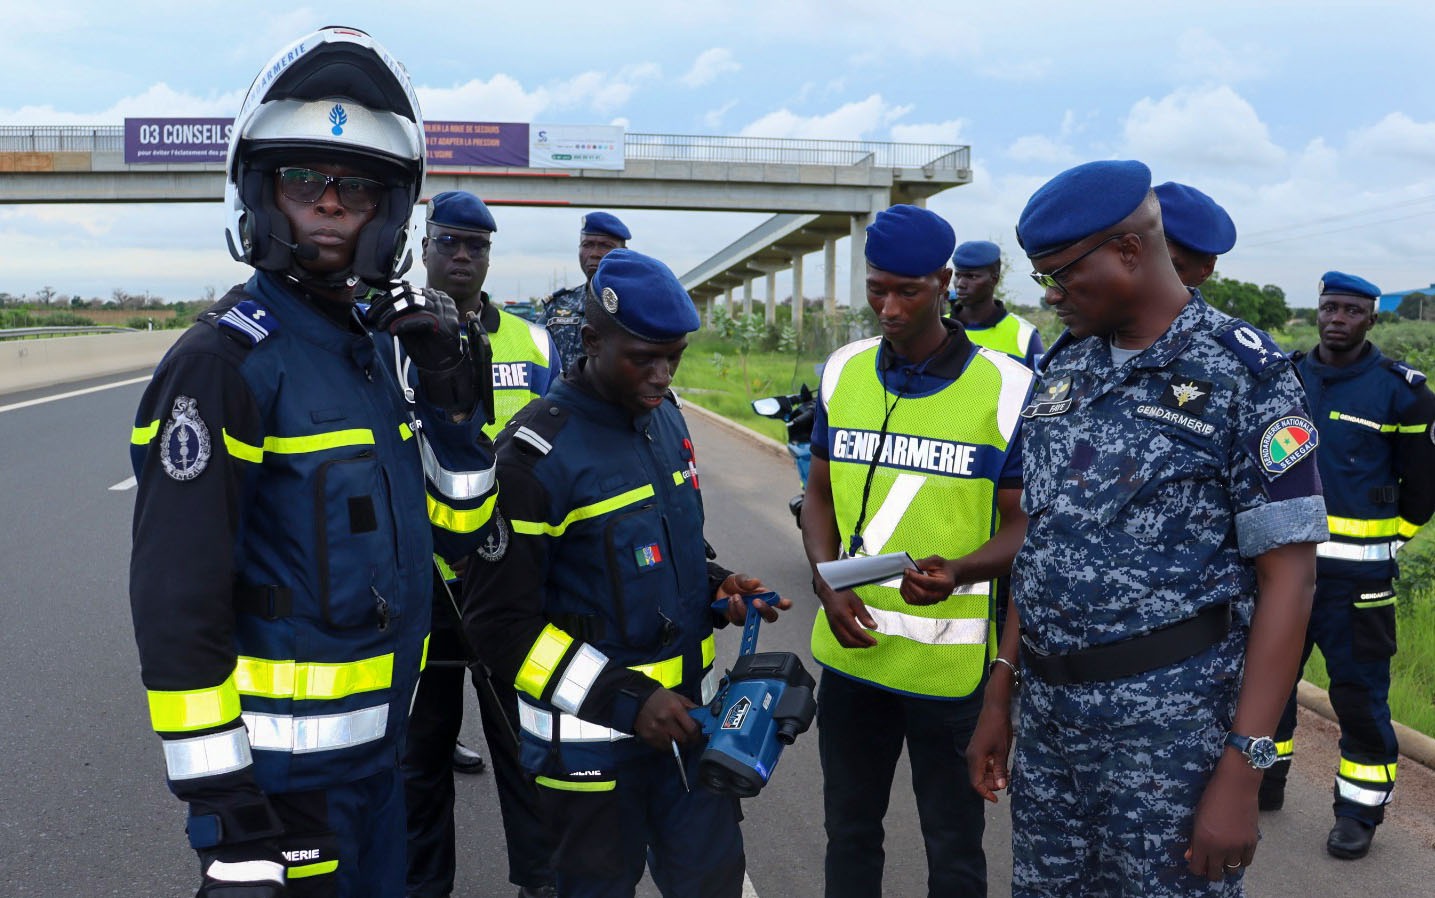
{"x":1130,"y":656}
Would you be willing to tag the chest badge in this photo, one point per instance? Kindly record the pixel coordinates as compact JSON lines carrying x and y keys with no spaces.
{"x":1286,"y":442}
{"x":496,"y":545}
{"x":184,"y":444}
{"x":1186,"y":394}
{"x":1053,"y":398}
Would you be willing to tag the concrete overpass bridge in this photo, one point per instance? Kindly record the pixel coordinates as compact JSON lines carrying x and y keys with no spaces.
{"x":818,"y":190}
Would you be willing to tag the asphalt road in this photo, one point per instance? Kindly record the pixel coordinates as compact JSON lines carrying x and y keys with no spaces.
{"x":84,"y":811}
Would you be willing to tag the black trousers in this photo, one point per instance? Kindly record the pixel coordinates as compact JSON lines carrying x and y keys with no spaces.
{"x":434,"y":725}
{"x":860,"y":733}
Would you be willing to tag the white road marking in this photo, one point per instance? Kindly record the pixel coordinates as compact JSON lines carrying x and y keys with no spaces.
{"x":128,"y":483}
{"x":747,"y":890}
{"x":43,"y":399}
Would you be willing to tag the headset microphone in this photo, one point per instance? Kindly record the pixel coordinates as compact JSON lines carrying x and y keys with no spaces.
{"x":304,"y":252}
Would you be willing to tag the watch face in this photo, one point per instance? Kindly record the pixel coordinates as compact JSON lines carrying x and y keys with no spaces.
{"x":1262,"y":752}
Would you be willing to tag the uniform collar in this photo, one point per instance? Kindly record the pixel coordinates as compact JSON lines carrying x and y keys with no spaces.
{"x":1369,"y":358}
{"x":994,"y":320}
{"x":948,"y":362}
{"x":299,"y":314}
{"x":574,"y":392}
{"x":488,"y":314}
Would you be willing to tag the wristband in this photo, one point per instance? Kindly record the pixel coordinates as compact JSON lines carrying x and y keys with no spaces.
{"x":1015,"y":673}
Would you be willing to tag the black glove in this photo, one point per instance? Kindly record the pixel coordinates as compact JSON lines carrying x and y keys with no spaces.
{"x":426,"y":323}
{"x":246,"y":870}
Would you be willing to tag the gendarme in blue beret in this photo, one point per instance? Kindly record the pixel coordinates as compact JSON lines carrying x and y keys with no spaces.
{"x":604,"y":223}
{"x":977,"y":254}
{"x":1194,"y":220}
{"x":461,"y":211}
{"x":910,"y":241}
{"x":644,"y":297}
{"x":1352,"y":285}
{"x":1080,"y":202}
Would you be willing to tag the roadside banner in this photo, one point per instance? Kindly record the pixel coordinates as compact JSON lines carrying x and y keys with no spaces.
{"x":477,"y":144}
{"x":576,"y":146}
{"x":156,"y":141}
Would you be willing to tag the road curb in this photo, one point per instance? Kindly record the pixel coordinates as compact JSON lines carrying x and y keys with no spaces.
{"x":1414,"y":745}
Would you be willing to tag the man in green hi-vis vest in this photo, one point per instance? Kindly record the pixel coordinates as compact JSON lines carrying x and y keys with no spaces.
{"x":914,"y":449}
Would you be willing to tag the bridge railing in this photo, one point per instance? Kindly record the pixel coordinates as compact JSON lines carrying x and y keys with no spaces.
{"x":639,"y":145}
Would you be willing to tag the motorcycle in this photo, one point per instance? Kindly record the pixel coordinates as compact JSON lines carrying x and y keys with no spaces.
{"x":796,"y":411}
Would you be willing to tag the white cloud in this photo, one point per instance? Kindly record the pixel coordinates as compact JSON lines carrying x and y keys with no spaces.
{"x":709,"y":66}
{"x":712,"y":119}
{"x":158,"y":100}
{"x":1017,"y":70}
{"x":1203,"y":128}
{"x":949,"y":131}
{"x":1398,"y":136}
{"x":1041,"y":149}
{"x":851,"y":121}
{"x":1200,"y":57}
{"x":499,"y":99}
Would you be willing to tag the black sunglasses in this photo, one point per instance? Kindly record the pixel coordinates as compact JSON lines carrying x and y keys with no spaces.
{"x":448,"y":244}
{"x":304,"y":185}
{"x":1053,"y":280}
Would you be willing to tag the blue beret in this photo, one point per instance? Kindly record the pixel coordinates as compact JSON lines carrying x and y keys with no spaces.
{"x":977,"y":254}
{"x":1194,"y":220}
{"x":644,"y":297}
{"x":1340,"y":282}
{"x":604,"y":223}
{"x":1080,"y":202}
{"x":910,"y":241}
{"x":460,"y":210}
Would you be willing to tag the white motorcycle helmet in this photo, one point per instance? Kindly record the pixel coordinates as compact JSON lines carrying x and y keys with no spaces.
{"x":338,"y":96}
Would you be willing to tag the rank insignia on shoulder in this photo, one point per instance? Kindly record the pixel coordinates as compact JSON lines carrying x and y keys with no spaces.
{"x":184,"y":445}
{"x":1406,"y":373}
{"x":1187,"y":394}
{"x":1253,"y":347}
{"x":1285,"y":442}
{"x":1051,"y":398}
{"x":496,"y":545}
{"x":250,"y":319}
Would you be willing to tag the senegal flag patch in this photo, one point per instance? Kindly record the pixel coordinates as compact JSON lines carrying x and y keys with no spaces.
{"x":648,"y":556}
{"x":1286,"y":442}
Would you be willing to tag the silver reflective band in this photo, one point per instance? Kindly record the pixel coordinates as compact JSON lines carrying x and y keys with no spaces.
{"x":1353,"y":552}
{"x":1372,"y":798}
{"x":708,"y":688}
{"x":929,"y":630}
{"x":282,"y":732}
{"x":578,"y":678}
{"x":245,"y":871}
{"x":186,"y":759}
{"x":570,"y":729}
{"x":533,"y":439}
{"x":456,"y":484}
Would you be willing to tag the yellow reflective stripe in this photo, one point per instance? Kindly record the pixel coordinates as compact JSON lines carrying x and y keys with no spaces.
{"x":669,"y":671}
{"x":1363,"y":422}
{"x":193,"y":709}
{"x":303,"y":871}
{"x":141,"y":435}
{"x":534,"y":528}
{"x":311,"y":679}
{"x":543,"y":658}
{"x":424,"y":658}
{"x":1408,"y":530}
{"x":1375,"y":604}
{"x":461,"y":520}
{"x":678,"y":478}
{"x":709,"y":651}
{"x":443,"y":569}
{"x":580,"y":786}
{"x":405,"y":431}
{"x":241,"y":450}
{"x":1367,"y":773}
{"x":1411,"y":428}
{"x":1285,"y":749}
{"x":358,"y":436}
{"x":1358,"y":528}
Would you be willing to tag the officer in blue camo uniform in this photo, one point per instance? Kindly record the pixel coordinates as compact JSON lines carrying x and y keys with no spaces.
{"x":1166,"y":577}
{"x":1378,"y":464}
{"x":600,"y":234}
{"x":596,"y":602}
{"x":1197,"y":231}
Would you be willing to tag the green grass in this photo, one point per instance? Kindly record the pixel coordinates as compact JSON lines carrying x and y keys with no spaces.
{"x":711,"y":376}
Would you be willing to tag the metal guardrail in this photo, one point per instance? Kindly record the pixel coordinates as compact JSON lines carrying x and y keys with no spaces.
{"x":639,"y":145}
{"x":27,"y":333}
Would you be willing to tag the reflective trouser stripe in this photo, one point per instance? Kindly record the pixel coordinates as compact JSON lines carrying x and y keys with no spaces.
{"x":1285,"y":750}
{"x":580,"y":786}
{"x":931,"y":630}
{"x":1354,"y":552}
{"x":539,"y":722}
{"x":193,"y":709}
{"x":298,"y":735}
{"x":1362,"y":528}
{"x":1368,"y":773}
{"x":304,"y":871}
{"x":458,"y":485}
{"x":311,"y":679}
{"x":186,"y":759}
{"x":542,"y":659}
{"x":578,"y":676}
{"x":1373,"y":798}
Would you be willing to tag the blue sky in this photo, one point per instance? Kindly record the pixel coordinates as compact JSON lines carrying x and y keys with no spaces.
{"x":1312,"y":123}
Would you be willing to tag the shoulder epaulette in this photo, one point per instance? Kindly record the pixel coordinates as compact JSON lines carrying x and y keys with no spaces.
{"x":1063,"y":340}
{"x":536,"y":427}
{"x":240,"y":318}
{"x":1411,"y":376}
{"x":672,"y":396}
{"x":1254,"y":347}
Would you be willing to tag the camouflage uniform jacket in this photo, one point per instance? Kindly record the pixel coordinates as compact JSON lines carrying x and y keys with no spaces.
{"x":1152,"y":485}
{"x":563,"y":316}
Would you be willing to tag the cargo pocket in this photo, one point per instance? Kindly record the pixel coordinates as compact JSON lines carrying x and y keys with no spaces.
{"x":1372,"y":622}
{"x":357,"y":558}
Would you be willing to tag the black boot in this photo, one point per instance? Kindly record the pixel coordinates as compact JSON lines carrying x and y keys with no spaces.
{"x":1272,"y":794}
{"x":1349,"y":838}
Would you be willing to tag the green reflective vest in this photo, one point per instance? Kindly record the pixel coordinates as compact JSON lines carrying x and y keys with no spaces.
{"x":933,"y":493}
{"x":1011,"y":335}
{"x":522,"y":369}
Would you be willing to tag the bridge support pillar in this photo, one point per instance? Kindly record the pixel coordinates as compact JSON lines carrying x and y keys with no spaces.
{"x":829,"y":276}
{"x":747,"y":295}
{"x":797,"y":304}
{"x":771,"y":316}
{"x":857,"y":264}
